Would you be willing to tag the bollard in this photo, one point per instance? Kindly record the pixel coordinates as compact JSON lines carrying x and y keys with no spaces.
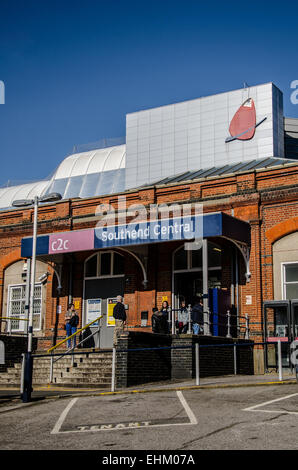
{"x":28,"y":372}
{"x":279,"y":360}
{"x":22,"y":374}
{"x":113,"y":370}
{"x":235,"y":359}
{"x":197,"y":364}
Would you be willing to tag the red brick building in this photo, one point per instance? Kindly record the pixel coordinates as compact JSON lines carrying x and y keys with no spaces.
{"x":266,"y":198}
{"x":248,"y":250}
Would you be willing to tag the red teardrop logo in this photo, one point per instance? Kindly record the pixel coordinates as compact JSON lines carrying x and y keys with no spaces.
{"x":243,"y":124}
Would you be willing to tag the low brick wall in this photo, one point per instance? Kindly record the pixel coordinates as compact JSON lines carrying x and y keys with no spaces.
{"x":138,"y":367}
{"x":217,"y":361}
{"x":14,"y":347}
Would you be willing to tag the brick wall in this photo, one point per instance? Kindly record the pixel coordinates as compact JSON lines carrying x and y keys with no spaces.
{"x":264,"y":198}
{"x":139,"y":367}
{"x":14,"y":347}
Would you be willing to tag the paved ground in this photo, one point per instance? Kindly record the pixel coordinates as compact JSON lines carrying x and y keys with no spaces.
{"x":231,"y":413}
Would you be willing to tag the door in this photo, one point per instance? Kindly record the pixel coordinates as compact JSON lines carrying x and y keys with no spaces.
{"x":102,"y":290}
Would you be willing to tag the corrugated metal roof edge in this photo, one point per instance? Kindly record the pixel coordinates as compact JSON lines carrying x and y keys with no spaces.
{"x":225,"y":175}
{"x":154,"y":185}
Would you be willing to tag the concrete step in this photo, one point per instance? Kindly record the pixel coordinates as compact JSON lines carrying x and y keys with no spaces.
{"x":91,"y":370}
{"x":82,"y":382}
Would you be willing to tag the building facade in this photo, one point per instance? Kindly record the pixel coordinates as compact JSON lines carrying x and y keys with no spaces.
{"x":98,"y":241}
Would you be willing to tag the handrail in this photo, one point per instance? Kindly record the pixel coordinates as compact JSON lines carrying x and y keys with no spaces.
{"x":74,"y":334}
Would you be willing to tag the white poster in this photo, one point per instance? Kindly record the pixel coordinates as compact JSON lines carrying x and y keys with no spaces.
{"x":93,"y":310}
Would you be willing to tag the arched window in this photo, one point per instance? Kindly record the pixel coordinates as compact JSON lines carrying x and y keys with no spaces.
{"x":192,"y":259}
{"x":104,"y":264}
{"x":285,"y":267}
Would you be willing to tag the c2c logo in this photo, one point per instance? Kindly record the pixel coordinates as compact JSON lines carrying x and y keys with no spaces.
{"x":60,"y":245}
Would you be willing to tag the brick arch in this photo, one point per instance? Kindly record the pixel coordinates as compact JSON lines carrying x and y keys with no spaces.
{"x":10,"y":258}
{"x":282,"y":229}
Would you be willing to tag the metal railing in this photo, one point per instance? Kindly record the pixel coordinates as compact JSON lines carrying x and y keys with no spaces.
{"x":70,"y":350}
{"x":207,"y":321}
{"x":197,"y":347}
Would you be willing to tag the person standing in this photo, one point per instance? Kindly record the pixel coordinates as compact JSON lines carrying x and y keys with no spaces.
{"x":119,"y":314}
{"x":197,"y":316}
{"x":71,"y":323}
{"x":182,"y":321}
{"x":165,"y":309}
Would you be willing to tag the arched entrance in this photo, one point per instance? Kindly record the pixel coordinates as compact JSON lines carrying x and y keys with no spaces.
{"x":198,"y":273}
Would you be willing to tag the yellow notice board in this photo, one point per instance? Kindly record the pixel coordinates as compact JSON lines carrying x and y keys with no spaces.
{"x":111,"y":304}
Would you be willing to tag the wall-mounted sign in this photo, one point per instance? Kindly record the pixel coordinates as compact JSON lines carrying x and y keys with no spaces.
{"x":243,"y":124}
{"x":93,"y":310}
{"x":71,"y":241}
{"x":111,"y":302}
{"x":189,"y":228}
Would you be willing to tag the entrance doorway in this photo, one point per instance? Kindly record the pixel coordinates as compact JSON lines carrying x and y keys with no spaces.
{"x":104,"y":280}
{"x":188,"y":281}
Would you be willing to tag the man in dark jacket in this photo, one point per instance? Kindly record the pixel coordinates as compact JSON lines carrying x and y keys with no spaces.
{"x":119,"y":314}
{"x":197,"y":316}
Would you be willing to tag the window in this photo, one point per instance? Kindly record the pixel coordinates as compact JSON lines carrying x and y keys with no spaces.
{"x":214,"y":255}
{"x":290,"y":281}
{"x":192,"y":259}
{"x":181,"y":259}
{"x":104,"y":264}
{"x":91,"y":267}
{"x":16,"y":307}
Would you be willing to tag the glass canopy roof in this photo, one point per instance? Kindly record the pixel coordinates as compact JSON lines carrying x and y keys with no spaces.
{"x":102,"y":171}
{"x":86,"y":174}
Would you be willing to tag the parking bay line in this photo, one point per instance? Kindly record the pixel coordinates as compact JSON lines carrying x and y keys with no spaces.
{"x":254,"y":408}
{"x":121,"y":426}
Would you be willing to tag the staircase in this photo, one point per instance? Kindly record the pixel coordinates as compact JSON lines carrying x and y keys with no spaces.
{"x":87,"y":371}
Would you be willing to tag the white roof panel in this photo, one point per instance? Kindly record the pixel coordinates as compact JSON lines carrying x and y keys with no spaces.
{"x":94,"y":161}
{"x":23,"y":191}
{"x":70,"y":177}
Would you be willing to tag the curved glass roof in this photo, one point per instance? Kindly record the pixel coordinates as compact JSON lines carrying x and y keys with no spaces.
{"x":86,"y":174}
{"x":23,"y":191}
{"x":92,"y":173}
{"x":102,"y":171}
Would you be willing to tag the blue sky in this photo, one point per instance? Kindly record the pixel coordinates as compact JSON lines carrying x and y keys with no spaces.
{"x":73,"y":69}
